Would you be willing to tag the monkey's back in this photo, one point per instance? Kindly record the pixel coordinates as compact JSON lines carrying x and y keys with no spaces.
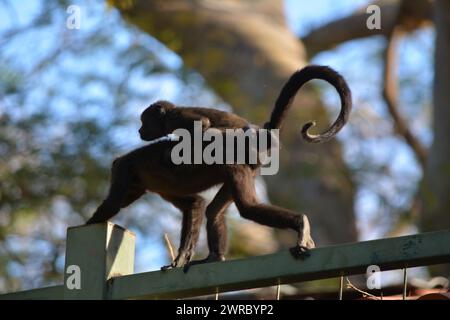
{"x":221,"y":119}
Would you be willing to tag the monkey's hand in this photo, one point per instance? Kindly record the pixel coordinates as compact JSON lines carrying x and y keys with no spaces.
{"x":210,"y":258}
{"x":300,"y":252}
{"x":302,"y":249}
{"x":187,"y":122}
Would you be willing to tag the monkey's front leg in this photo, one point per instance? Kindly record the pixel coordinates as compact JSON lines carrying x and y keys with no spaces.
{"x":305,"y":241}
{"x":120,"y":194}
{"x":193,"y":208}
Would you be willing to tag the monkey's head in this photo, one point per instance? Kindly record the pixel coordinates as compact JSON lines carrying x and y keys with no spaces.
{"x":154,"y":120}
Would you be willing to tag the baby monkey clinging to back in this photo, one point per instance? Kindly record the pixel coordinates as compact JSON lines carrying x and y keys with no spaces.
{"x":148,"y":169}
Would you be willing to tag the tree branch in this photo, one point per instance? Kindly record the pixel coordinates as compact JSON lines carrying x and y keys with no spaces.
{"x":390,"y":89}
{"x":354,"y":26}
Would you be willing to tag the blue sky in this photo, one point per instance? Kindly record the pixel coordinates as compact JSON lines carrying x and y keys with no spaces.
{"x":304,"y":15}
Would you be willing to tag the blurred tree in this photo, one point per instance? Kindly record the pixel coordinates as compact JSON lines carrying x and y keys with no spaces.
{"x":59,"y":130}
{"x":436,"y":181}
{"x":436,"y":185}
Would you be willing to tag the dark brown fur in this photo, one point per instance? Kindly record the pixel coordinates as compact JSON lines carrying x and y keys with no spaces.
{"x":148,"y":169}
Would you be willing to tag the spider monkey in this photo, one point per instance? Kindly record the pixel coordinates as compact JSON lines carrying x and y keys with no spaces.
{"x":148,"y":169}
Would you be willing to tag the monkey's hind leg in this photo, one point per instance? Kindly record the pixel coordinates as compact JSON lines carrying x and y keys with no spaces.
{"x":244,"y":194}
{"x":216,"y":227}
{"x":193,"y":209}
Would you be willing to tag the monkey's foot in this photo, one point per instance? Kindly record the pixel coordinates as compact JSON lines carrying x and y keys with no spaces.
{"x":300,"y":252}
{"x":210,"y":258}
{"x":181,"y":260}
{"x":169,"y":266}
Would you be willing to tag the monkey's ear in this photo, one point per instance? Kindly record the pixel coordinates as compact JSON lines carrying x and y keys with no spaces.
{"x":163,"y":106}
{"x":161,"y":110}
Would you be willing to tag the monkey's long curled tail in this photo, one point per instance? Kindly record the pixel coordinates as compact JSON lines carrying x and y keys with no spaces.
{"x":295,"y":82}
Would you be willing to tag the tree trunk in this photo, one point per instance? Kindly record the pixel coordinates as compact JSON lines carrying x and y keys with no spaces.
{"x":435,"y":189}
{"x":246,"y":52}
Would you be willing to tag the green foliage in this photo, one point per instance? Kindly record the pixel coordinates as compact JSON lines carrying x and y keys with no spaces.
{"x":65,"y":100}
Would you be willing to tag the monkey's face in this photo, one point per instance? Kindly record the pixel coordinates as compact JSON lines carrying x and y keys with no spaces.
{"x":152,"y":124}
{"x":154,"y":121}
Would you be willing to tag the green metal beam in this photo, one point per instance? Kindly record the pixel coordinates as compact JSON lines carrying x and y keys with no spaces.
{"x":100,"y":251}
{"x":327,"y":262}
{"x":48,"y":293}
